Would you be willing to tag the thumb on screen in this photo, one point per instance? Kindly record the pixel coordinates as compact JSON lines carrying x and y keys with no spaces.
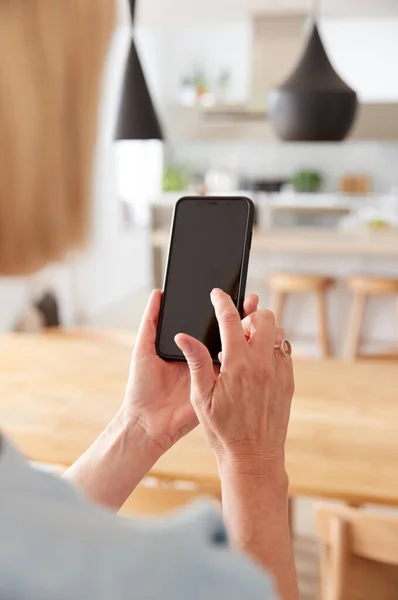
{"x":201,"y":368}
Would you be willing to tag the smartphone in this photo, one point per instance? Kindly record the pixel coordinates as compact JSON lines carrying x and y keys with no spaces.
{"x":209,"y":248}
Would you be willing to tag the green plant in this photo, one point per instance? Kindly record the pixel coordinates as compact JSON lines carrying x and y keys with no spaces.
{"x":307,"y":181}
{"x":174,"y":179}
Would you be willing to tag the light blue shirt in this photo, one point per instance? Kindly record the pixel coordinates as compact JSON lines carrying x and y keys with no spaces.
{"x":55,"y":545}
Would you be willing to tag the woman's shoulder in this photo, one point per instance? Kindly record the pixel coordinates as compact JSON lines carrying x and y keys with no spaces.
{"x":54,"y":540}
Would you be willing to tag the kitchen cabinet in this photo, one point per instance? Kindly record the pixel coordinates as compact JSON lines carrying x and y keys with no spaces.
{"x":278,"y":41}
{"x":376,"y":121}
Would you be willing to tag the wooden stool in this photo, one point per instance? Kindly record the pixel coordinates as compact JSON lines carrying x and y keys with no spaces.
{"x":362,"y":288}
{"x":282,"y":284}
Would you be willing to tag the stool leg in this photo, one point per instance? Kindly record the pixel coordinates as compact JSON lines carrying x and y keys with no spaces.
{"x":278,"y":306}
{"x":396,"y":304}
{"x":323,"y":330}
{"x":355,"y":327}
{"x":291,"y":516}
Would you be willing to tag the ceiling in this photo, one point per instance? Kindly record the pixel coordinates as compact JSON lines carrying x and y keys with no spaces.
{"x":190,"y":11}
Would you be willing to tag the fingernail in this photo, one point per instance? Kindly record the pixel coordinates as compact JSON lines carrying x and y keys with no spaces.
{"x":183,"y":345}
{"x":216,"y":291}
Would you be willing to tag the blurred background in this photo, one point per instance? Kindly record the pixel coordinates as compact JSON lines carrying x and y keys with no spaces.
{"x":209,"y":69}
{"x":210,"y":97}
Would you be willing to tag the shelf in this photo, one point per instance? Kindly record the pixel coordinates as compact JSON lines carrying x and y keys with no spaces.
{"x":375,"y":122}
{"x":232,"y":113}
{"x":185,"y":124}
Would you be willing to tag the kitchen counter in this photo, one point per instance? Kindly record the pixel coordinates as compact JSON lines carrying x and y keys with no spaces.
{"x":332,"y":252}
{"x":280,"y":210}
{"x":313,"y":241}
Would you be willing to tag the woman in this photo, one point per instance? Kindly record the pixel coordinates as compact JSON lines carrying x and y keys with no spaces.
{"x":56,"y":541}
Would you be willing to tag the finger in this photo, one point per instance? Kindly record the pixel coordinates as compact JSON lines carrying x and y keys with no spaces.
{"x":249,"y":328}
{"x":201,"y":368}
{"x":146,"y":337}
{"x":261,"y":329}
{"x":250,"y":305}
{"x":279,"y":336}
{"x":229,"y":321}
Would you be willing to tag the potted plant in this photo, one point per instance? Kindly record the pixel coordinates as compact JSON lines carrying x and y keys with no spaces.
{"x":307,"y":181}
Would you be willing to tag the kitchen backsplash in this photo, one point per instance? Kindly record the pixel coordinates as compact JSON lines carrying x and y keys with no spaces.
{"x":379,"y":160}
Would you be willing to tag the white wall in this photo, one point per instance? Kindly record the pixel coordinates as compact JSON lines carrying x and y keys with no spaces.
{"x":274,"y":160}
{"x":152,"y":46}
{"x":214,"y":47}
{"x":172,"y":53}
{"x":365,"y":54}
{"x":364,"y":51}
{"x":13,"y":300}
{"x":186,"y":12}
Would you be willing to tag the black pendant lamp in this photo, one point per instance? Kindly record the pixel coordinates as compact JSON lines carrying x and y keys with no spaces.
{"x":137,"y":117}
{"x":314,"y":104}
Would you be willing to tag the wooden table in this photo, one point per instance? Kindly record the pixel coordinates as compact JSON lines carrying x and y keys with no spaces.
{"x":57,"y":392}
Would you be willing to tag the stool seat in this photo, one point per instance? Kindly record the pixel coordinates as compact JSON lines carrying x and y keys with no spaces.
{"x":283,"y":284}
{"x":363,"y":287}
{"x":299,"y":282}
{"x":372,"y":286}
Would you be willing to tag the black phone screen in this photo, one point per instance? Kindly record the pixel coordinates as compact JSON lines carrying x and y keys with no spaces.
{"x":208,"y":246}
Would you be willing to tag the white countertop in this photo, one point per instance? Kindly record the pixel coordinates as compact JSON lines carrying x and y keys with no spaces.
{"x":291,"y":199}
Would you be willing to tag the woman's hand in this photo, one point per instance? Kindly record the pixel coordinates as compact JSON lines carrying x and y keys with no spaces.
{"x":245,"y":409}
{"x":245,"y":413}
{"x":158,"y":392}
{"x":156,"y":412}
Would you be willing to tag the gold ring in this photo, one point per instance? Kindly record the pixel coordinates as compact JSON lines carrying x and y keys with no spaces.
{"x":285,"y":347}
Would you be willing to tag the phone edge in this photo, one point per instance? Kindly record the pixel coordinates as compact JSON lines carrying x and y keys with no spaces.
{"x":172,"y":229}
{"x":245,"y":267}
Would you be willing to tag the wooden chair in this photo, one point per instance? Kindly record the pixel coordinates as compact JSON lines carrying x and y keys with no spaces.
{"x":153,"y":498}
{"x":363,"y":288}
{"x":359,"y":553}
{"x":284,"y":284}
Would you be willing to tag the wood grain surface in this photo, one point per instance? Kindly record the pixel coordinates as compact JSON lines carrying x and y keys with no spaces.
{"x":58,"y":391}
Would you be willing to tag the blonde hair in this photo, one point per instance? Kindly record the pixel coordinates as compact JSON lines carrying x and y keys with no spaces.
{"x":51,"y":58}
